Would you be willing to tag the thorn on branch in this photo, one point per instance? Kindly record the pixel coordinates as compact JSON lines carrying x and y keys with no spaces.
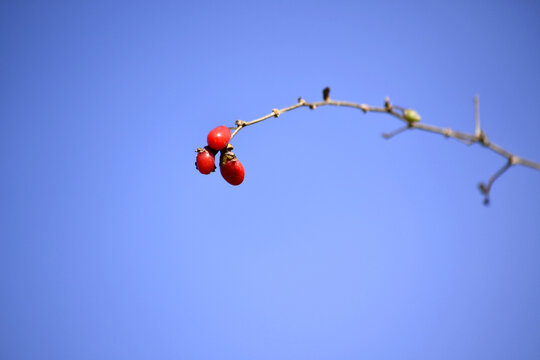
{"x":326,"y":93}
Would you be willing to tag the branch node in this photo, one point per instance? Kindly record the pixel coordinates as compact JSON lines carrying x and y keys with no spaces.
{"x":447,"y":132}
{"x":387,"y":104}
{"x":364,"y":108}
{"x":312,"y":106}
{"x":276,"y":112}
{"x":301,"y":101}
{"x":513,"y":160}
{"x":483,"y":188}
{"x":240,"y":123}
{"x":482,"y":137}
{"x":326,"y":93}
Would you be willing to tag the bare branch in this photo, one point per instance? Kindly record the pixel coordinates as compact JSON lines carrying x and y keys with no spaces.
{"x":479,"y":136}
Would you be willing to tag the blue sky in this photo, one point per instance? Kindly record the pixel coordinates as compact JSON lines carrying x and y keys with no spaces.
{"x":338,"y":245}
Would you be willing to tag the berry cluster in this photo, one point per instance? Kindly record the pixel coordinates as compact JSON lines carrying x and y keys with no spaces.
{"x":230,"y":167}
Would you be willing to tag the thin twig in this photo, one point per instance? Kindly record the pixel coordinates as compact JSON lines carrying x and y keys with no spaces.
{"x":484,"y":189}
{"x":479,"y":135}
{"x":395,"y":132}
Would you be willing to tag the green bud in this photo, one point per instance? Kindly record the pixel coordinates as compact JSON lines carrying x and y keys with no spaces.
{"x":411,"y":115}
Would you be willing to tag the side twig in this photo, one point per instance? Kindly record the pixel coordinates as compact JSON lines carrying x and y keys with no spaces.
{"x":399,"y":112}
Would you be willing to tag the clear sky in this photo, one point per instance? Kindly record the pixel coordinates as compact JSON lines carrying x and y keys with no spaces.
{"x":338,"y":245}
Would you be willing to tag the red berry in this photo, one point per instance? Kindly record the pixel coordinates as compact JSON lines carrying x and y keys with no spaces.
{"x":233,"y":172}
{"x":231,"y":168}
{"x":206,"y":159}
{"x":219,"y":137}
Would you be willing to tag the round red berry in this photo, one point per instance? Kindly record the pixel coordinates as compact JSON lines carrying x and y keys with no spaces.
{"x":219,"y":137}
{"x":231,"y":168}
{"x":206,"y":160}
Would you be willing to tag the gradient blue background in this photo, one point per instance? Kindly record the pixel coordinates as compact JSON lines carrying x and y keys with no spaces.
{"x":338,"y":245}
